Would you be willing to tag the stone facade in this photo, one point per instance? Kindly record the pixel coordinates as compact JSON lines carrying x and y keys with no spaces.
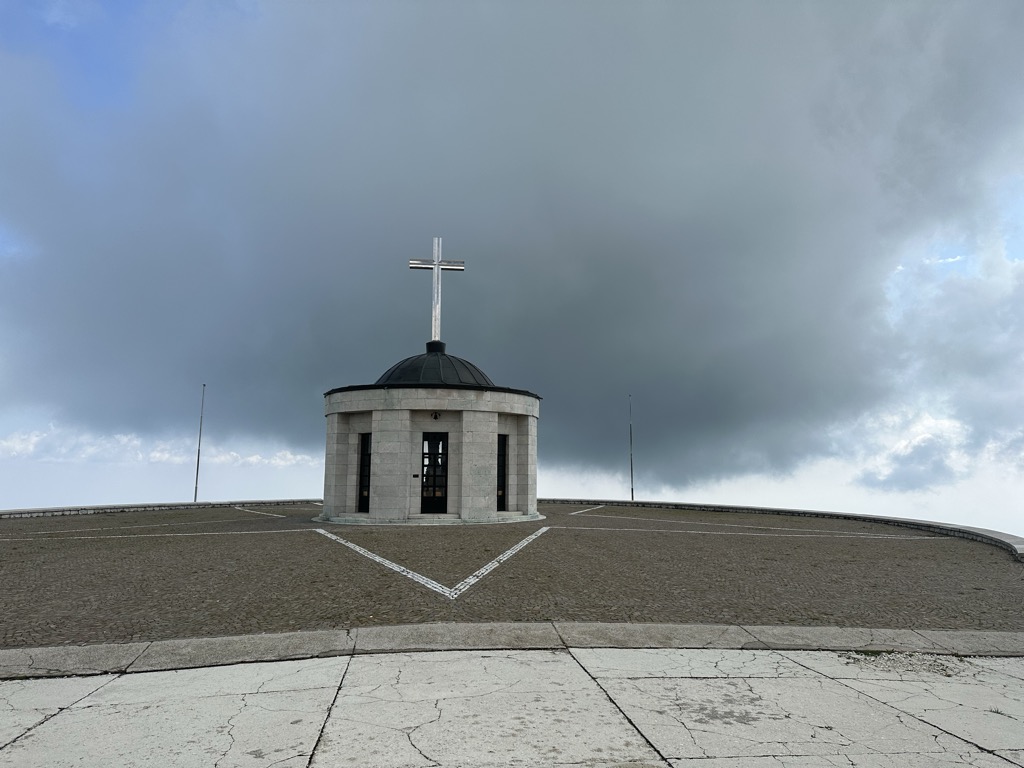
{"x":396,"y":418}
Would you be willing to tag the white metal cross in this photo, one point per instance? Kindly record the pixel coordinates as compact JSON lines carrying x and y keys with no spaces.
{"x":437,"y":265}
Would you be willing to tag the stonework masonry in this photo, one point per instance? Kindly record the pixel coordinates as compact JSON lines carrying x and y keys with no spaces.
{"x":397,"y":419}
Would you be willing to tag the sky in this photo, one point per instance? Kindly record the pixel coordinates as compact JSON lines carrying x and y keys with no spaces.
{"x":785,"y":238}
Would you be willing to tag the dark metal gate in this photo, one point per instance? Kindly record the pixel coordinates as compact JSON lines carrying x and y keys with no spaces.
{"x":502,"y":473}
{"x":434,"y":497}
{"x":364,"y":472}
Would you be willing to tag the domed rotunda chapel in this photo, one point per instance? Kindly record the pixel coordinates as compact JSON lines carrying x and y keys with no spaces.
{"x":432,"y":441}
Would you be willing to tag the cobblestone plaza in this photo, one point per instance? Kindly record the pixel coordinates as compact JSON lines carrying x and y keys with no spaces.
{"x":204,"y":572}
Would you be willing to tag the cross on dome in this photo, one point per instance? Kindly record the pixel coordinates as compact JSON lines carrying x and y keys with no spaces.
{"x":437,"y":265}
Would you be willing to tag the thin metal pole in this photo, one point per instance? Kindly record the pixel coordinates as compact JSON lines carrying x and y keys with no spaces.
{"x":631,"y":497}
{"x":199,"y":448}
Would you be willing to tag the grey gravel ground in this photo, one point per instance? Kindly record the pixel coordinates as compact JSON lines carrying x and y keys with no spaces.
{"x":144,"y":576}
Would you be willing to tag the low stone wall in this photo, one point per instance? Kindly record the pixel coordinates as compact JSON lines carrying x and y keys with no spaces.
{"x":109,"y":508}
{"x":1008,"y":541}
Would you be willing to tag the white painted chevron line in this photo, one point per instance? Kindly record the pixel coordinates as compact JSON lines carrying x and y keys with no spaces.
{"x":255,"y":512}
{"x":418,"y":578}
{"x":469,"y":581}
{"x":450,"y":592}
{"x":588,"y":509}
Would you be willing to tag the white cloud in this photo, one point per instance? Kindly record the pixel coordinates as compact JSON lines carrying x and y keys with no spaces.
{"x":911,"y":451}
{"x":61,"y":467}
{"x":64,"y":444}
{"x":20,"y":444}
{"x":580,"y":483}
{"x":987,"y":497}
{"x":57,"y":443}
{"x":278,"y":459}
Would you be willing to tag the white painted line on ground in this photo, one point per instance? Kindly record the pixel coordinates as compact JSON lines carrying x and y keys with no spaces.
{"x":451,"y":593}
{"x":123,"y":527}
{"x":268,"y":514}
{"x":317,"y":503}
{"x":757,"y":527}
{"x":469,"y":581}
{"x":418,"y":578}
{"x":588,"y":509}
{"x":162,"y":535}
{"x":739,"y":533}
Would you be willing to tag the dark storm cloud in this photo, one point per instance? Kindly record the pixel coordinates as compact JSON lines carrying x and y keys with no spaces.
{"x":697,"y":204}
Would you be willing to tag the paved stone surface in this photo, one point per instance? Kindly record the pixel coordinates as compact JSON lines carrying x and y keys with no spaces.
{"x":246,"y":715}
{"x":596,"y":635}
{"x":472,"y":708}
{"x":151,"y":576}
{"x":446,"y":637}
{"x":68,"y":660}
{"x":25,"y":705}
{"x":850,"y":638}
{"x":573,"y":706}
{"x":62,"y":661}
{"x":603,"y":637}
{"x":214,"y":651}
{"x":996,"y":643}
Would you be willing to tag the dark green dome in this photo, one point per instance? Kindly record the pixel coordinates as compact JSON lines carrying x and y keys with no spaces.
{"x":434,"y":368}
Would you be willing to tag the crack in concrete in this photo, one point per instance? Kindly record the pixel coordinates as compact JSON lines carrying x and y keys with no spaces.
{"x":286,"y":759}
{"x":231,"y":731}
{"x":590,"y":764}
{"x":44,"y":671}
{"x":409,"y":732}
{"x":691,"y":735}
{"x":59,"y":710}
{"x":284,"y":676}
{"x":903,"y":696}
{"x":145,"y":647}
{"x":620,"y":710}
{"x":937,"y":731}
{"x":330,"y":710}
{"x":982,"y":668}
{"x":399,"y":696}
{"x":832,"y":735}
{"x":18,"y":685}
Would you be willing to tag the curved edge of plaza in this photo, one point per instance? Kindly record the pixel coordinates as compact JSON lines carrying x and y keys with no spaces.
{"x":191,"y":653}
{"x":187,"y":653}
{"x":1008,"y":541}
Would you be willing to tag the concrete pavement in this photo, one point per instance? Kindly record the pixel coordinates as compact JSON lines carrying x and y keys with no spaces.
{"x":698,"y":637}
{"x":541,"y":694}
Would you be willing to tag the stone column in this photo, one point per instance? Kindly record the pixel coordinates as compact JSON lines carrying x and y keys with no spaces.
{"x":479,"y":464}
{"x":526,"y":471}
{"x":515,"y":502}
{"x":391,"y":470}
{"x":335,"y":467}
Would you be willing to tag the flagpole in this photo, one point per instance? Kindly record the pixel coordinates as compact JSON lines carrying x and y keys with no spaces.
{"x":631,"y":497}
{"x":199,"y":447}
